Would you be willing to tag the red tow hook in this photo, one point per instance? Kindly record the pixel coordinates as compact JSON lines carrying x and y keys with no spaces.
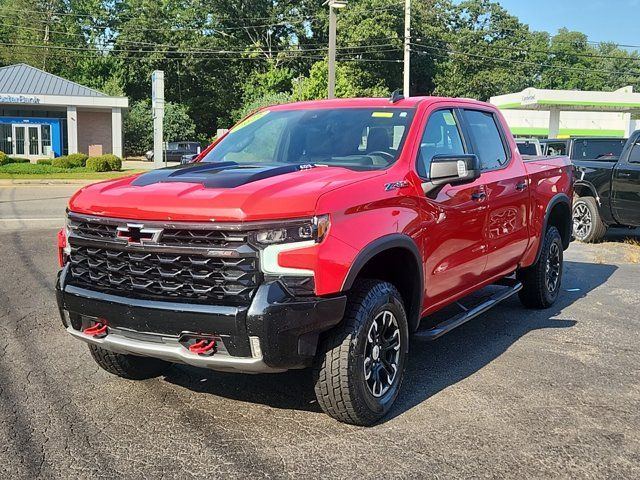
{"x":99,"y":330}
{"x":203,"y":347}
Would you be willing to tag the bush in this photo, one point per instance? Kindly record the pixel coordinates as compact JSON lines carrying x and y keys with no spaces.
{"x":75,"y":160}
{"x":6,"y":160}
{"x":79,"y":159}
{"x":115,"y":162}
{"x":44,"y":161}
{"x":104,"y":163}
{"x":61,"y":162}
{"x":30,"y":168}
{"x":98,"y":164}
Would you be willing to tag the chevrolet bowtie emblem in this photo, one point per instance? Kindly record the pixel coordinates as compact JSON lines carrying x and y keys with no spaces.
{"x":138,"y":234}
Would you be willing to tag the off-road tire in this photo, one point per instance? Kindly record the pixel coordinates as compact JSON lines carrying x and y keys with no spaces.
{"x":340,"y":381}
{"x":597,"y":229}
{"x":130,"y":367}
{"x":535,"y":291}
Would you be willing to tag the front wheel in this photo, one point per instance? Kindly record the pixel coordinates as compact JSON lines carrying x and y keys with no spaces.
{"x":360,"y":364}
{"x":541,"y":282}
{"x":587,"y":223}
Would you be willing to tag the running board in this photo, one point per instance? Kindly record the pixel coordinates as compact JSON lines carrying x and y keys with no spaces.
{"x":512,"y":286}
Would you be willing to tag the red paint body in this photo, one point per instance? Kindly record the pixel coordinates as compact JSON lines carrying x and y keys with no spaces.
{"x":465,"y":243}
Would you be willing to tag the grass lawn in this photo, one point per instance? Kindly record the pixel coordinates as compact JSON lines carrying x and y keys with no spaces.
{"x":30,"y":171}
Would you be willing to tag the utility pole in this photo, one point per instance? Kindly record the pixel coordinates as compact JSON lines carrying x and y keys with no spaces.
{"x":333,"y":4}
{"x":407,"y":48}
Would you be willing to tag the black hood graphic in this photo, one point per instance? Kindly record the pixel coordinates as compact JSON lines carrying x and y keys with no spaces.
{"x":214,"y":175}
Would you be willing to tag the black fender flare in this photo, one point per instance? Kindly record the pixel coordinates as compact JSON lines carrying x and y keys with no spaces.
{"x":589,"y":186}
{"x":394,"y":240}
{"x":556,"y":200}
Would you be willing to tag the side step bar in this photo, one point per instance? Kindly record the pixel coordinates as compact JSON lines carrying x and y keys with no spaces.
{"x":512,"y":286}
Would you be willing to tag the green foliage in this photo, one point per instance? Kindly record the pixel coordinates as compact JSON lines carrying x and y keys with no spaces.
{"x":114,"y":162}
{"x":6,"y":160}
{"x":104,"y":163}
{"x":265,"y":101}
{"x":98,"y":164}
{"x":138,"y":126}
{"x":274,"y":81}
{"x":78,"y":159}
{"x":30,"y":168}
{"x":351,"y":81}
{"x":74,"y":160}
{"x":44,"y":161}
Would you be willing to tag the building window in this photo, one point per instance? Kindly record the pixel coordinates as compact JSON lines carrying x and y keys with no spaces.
{"x":45,"y":133}
{"x":5,"y":139}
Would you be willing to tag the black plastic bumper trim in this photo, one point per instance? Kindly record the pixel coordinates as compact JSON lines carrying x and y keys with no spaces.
{"x":288,"y":327}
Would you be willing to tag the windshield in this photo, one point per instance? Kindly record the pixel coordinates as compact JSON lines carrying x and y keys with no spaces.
{"x":597,"y":149}
{"x":358,"y":138}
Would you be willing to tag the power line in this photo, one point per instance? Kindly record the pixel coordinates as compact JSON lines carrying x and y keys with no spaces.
{"x":524,"y":62}
{"x":282,"y":18}
{"x":222,"y":51}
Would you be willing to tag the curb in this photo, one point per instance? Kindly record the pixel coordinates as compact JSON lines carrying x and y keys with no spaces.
{"x":46,"y":181}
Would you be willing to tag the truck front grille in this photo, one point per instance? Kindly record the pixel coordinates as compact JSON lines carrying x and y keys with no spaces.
{"x":186,"y":265}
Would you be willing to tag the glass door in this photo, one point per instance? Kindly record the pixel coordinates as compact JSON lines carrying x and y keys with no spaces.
{"x":34,"y":140}
{"x":6,"y":143}
{"x":19,"y":143}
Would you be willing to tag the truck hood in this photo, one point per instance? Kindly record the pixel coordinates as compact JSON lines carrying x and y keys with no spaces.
{"x":216,"y":191}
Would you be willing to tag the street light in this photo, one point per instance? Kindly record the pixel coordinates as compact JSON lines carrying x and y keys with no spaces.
{"x":333,"y":5}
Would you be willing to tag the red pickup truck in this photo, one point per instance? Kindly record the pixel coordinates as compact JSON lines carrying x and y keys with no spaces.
{"x":315,"y":234}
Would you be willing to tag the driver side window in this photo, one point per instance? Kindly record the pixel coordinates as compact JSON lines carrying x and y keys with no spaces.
{"x":441,"y":137}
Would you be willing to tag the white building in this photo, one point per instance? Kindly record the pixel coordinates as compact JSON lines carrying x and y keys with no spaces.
{"x":43,"y":115}
{"x":566,"y":113}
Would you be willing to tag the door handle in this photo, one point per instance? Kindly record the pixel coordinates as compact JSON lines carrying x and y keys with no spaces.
{"x":521,"y":185}
{"x":479,"y":195}
{"x":624,"y":174}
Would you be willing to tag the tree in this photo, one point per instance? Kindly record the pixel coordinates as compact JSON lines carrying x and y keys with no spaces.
{"x":138,"y":126}
{"x":266,"y":100}
{"x":351,"y":81}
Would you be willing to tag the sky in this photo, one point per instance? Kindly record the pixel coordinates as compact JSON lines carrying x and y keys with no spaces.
{"x":617,"y":21}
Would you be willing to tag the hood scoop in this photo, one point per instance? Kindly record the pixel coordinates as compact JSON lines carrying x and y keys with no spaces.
{"x":214,"y":175}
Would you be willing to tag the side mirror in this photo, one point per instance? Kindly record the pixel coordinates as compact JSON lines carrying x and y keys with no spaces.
{"x":454,"y":169}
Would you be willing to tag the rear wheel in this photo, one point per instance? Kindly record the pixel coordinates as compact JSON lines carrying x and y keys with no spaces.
{"x":587,"y":223}
{"x":541,"y":282}
{"x":130,"y":367}
{"x":359,"y":366}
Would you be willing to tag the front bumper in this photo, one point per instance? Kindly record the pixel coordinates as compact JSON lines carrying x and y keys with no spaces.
{"x":275,"y":333}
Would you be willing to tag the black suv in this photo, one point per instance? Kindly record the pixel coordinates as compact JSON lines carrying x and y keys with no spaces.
{"x":176,"y":150}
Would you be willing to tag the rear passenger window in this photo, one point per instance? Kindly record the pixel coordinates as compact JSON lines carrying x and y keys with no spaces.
{"x":441,"y":137}
{"x":556,"y":149}
{"x":487,"y":140}
{"x":634,"y":156}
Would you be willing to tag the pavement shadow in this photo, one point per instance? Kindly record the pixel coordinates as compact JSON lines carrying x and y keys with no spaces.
{"x":621,"y":234}
{"x":432,"y":366}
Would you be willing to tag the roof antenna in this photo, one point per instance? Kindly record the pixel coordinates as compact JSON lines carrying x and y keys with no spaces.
{"x":396,"y":96}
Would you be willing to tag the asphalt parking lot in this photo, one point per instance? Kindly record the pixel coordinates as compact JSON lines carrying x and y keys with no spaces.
{"x":514,"y":393}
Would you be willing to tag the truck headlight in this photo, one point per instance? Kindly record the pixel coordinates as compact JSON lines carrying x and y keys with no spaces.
{"x":315,"y":229}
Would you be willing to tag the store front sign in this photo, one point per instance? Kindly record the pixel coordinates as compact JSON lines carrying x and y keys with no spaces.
{"x":31,"y":100}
